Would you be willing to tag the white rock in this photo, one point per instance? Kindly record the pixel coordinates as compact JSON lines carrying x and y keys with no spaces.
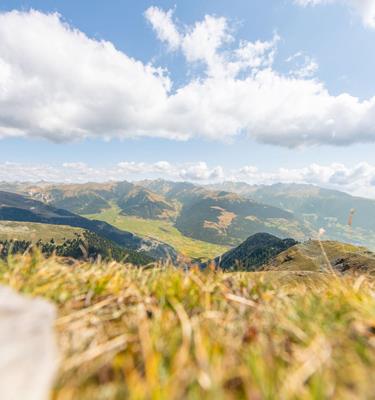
{"x":28,"y":352}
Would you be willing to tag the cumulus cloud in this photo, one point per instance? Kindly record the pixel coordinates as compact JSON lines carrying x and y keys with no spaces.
{"x":364,"y":8}
{"x":59,"y":84}
{"x":358,"y":179}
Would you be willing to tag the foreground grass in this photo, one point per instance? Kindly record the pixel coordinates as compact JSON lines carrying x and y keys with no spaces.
{"x":160,"y":230}
{"x":165,"y":334}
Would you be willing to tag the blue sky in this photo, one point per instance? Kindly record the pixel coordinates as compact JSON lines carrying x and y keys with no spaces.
{"x":336,"y":40}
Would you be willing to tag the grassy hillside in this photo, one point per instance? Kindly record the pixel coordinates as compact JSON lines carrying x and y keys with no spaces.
{"x":20,"y":238}
{"x":309,"y":256}
{"x":168,"y":334}
{"x":160,"y":230}
{"x":224,"y":217}
{"x":227,"y":218}
{"x":36,"y":231}
{"x":145,"y":204}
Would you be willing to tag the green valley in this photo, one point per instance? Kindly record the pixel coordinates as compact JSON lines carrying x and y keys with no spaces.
{"x":162,"y":230}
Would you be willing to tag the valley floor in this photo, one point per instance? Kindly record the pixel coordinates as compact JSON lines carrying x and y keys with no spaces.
{"x":134,"y":333}
{"x":160,"y":230}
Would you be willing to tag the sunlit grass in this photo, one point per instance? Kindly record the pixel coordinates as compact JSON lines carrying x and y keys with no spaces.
{"x":163,"y":333}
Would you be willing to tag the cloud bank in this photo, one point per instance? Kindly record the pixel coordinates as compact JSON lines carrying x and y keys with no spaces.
{"x":358,"y":179}
{"x":59,"y":84}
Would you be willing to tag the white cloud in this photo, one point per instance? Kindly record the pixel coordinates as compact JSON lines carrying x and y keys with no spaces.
{"x":201,"y":172}
{"x":199,"y":43}
{"x":364,"y":8}
{"x":205,"y":42}
{"x":164,"y":26}
{"x":358,"y":179}
{"x":258,"y":54}
{"x":188,"y":171}
{"x":305,"y":69}
{"x":81,"y":172}
{"x":59,"y":84}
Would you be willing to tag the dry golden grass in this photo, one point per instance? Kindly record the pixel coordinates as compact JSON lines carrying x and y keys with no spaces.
{"x":168,"y":334}
{"x":317,"y":255}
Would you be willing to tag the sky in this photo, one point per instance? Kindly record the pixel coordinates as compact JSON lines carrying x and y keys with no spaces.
{"x":249,"y":90}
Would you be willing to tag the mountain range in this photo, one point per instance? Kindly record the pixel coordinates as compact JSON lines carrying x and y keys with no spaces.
{"x":224,"y":214}
{"x":91,"y":198}
{"x":213,"y":216}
